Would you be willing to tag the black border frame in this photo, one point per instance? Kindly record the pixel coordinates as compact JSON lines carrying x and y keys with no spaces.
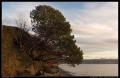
{"x":66,"y":1}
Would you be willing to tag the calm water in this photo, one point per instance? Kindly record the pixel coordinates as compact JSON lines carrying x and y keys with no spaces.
{"x":92,"y":69}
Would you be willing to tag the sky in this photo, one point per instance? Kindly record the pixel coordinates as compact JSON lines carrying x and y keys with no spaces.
{"x":94,"y":24}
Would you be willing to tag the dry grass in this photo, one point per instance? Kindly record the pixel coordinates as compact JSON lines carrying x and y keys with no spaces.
{"x":12,"y":60}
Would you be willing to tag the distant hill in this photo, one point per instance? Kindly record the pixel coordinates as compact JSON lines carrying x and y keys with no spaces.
{"x":100,"y":61}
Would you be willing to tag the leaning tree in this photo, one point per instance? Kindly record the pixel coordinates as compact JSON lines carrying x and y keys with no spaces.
{"x":54,"y":35}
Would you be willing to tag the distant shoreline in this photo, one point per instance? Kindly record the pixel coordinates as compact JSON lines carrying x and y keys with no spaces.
{"x":96,"y":61}
{"x":100,"y":61}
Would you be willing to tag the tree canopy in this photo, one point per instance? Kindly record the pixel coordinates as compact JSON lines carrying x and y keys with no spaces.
{"x":54,"y":34}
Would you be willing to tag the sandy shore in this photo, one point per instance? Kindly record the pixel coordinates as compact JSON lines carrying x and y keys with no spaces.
{"x":64,"y":73}
{"x":60,"y":73}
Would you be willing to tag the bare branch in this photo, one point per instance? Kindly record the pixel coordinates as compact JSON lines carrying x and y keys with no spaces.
{"x":22,"y":23}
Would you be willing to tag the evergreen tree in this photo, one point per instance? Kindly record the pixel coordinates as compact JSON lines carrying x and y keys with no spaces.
{"x":54,"y":34}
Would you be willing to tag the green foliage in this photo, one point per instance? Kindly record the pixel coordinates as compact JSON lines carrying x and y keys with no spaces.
{"x":46,"y":20}
{"x":55,"y":32}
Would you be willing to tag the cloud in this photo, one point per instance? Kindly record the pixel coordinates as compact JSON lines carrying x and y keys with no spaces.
{"x":96,"y":27}
{"x":94,"y":24}
{"x":103,"y":54}
{"x":15,"y":10}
